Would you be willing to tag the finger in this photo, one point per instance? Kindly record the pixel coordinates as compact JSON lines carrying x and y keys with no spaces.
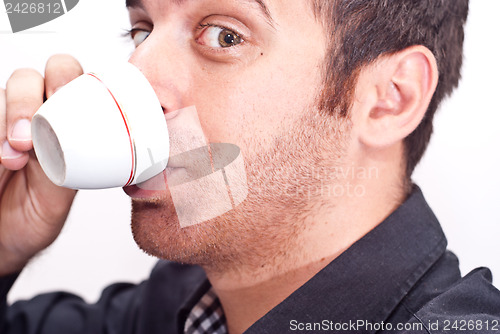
{"x":13,"y":159}
{"x":24,"y":95}
{"x":60,"y":70}
{"x":54,"y":200}
{"x":3,"y":120}
{"x":9,"y":158}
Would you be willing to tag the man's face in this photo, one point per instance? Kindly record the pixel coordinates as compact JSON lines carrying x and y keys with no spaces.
{"x":253,"y":72}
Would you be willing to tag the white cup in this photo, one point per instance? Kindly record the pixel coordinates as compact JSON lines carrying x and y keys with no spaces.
{"x":102,"y":130}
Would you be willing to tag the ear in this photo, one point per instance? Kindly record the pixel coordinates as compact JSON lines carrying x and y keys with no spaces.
{"x":393,"y":96}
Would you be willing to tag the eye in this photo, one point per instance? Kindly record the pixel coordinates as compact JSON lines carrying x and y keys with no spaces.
{"x":138,"y":36}
{"x":219,"y":37}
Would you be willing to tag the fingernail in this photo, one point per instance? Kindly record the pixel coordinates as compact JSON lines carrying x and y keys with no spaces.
{"x":9,"y":153}
{"x":21,"y":130}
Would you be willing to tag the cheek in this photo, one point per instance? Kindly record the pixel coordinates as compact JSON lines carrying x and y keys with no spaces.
{"x":254,"y":105}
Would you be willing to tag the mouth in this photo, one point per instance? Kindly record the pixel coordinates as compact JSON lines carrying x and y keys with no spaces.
{"x":155,"y":187}
{"x":169,"y":114}
{"x":175,"y":172}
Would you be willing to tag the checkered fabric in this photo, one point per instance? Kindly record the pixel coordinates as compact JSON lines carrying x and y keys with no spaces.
{"x":207,"y":316}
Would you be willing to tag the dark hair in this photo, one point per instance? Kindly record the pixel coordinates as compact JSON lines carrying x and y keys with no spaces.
{"x":363,"y":30}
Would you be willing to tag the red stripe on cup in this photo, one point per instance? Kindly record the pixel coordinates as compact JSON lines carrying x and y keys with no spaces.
{"x":125,"y":121}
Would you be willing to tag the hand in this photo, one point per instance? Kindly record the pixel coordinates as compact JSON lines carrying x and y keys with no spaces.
{"x":32,"y":209}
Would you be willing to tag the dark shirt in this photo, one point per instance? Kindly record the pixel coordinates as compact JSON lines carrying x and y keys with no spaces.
{"x":398,"y":275}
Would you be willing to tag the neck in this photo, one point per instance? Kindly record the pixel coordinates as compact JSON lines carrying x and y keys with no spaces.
{"x":245,"y":303}
{"x":248,"y":292}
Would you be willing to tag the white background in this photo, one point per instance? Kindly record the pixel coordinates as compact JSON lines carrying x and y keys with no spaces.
{"x":459,"y":174}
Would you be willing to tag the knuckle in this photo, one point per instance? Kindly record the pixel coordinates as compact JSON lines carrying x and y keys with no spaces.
{"x":60,"y":69}
{"x":23,"y":103}
{"x":24,"y":88}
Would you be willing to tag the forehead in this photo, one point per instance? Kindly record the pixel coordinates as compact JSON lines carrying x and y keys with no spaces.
{"x":267,"y":7}
{"x":140,"y":3}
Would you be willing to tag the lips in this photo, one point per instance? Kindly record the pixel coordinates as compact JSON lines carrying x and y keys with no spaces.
{"x":156,"y":186}
{"x":169,"y":114}
{"x":153,"y":188}
{"x":189,"y":155}
{"x":182,"y":168}
{"x":138,"y":193}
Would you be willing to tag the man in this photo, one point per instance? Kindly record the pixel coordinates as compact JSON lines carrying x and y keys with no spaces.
{"x":331,"y":104}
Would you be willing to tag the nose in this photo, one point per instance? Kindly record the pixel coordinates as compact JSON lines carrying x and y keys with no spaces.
{"x":161,"y":61}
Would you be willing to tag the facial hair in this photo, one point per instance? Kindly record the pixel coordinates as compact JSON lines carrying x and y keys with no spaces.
{"x":285,"y":185}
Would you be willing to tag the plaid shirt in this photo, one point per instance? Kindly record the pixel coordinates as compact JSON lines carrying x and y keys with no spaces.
{"x":207,"y":316}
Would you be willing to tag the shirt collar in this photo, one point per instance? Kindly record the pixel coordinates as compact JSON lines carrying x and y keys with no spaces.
{"x":367,"y":281}
{"x":370,"y":279}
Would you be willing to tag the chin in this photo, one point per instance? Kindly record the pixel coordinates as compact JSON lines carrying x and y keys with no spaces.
{"x":239,"y":236}
{"x":157,"y":231}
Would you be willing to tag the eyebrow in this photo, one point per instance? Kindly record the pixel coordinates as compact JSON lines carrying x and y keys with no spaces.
{"x":262,"y":5}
